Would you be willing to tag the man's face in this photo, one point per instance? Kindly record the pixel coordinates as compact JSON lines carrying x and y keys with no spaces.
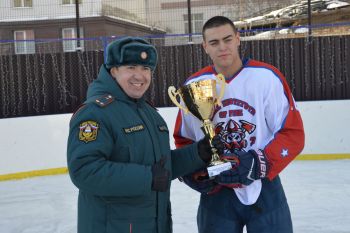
{"x":133,"y":79}
{"x":221,"y":44}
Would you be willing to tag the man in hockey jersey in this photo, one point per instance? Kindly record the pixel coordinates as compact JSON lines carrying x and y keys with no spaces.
{"x":118,"y":148}
{"x":259,"y":124}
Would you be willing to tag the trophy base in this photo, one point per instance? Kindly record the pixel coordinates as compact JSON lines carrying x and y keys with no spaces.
{"x":216,"y":167}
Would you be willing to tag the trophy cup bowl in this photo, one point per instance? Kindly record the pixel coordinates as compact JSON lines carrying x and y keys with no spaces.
{"x":200,"y":99}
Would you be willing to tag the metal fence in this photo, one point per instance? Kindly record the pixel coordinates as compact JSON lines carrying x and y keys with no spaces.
{"x":56,"y":82}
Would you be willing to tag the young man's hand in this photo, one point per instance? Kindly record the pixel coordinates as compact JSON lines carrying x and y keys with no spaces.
{"x":252,"y":165}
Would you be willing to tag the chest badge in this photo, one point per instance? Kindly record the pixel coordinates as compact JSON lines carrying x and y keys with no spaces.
{"x":88,"y":131}
{"x":133,"y":129}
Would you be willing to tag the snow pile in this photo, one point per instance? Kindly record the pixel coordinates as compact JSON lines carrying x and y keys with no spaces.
{"x":298,"y":9}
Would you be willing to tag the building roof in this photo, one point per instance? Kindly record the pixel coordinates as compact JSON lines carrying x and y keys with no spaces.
{"x":288,"y":15}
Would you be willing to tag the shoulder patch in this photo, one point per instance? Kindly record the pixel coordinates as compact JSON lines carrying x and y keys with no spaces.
{"x":88,"y":131}
{"x":105,"y":100}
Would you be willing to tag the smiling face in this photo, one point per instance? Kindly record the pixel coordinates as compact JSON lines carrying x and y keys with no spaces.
{"x":133,"y":79}
{"x":221,"y":44}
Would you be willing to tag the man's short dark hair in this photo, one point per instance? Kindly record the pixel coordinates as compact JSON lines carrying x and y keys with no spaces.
{"x":217,"y":21}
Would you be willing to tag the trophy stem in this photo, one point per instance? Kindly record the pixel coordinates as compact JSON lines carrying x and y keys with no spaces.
{"x":208,"y":129}
{"x":215,"y":159}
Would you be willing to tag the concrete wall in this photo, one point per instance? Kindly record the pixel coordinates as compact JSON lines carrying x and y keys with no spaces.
{"x":36,"y":143}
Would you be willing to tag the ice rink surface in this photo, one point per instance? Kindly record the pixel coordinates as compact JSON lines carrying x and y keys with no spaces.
{"x":318,"y":193}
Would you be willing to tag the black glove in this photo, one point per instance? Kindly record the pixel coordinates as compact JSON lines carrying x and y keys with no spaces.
{"x":204,"y":148}
{"x":252,"y":165}
{"x":160,"y":175}
{"x":200,"y":181}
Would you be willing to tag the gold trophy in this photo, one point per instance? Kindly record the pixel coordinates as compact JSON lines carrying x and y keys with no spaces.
{"x":200,"y":99}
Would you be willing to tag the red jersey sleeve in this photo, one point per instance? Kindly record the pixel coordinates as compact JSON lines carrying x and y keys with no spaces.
{"x":179,"y":139}
{"x":289,"y":141}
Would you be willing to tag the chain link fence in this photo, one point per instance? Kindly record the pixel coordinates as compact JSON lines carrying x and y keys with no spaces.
{"x":56,"y":82}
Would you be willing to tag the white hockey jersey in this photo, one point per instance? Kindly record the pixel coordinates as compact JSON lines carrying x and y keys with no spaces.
{"x":257,"y":112}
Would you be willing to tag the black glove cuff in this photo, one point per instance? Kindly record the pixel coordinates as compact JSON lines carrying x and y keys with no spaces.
{"x":262,"y":163}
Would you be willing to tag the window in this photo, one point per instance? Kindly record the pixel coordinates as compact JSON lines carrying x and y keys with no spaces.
{"x":70,"y":2}
{"x":24,"y":47}
{"x":197,"y":23}
{"x":23,"y":3}
{"x":71,"y":45}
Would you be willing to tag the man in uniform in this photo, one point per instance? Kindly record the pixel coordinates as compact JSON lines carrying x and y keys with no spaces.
{"x":119,"y":155}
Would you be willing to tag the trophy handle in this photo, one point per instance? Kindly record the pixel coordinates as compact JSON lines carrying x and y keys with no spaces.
{"x":222,"y":89}
{"x":172,"y":94}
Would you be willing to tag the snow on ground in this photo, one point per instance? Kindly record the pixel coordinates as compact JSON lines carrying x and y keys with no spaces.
{"x":318,"y":193}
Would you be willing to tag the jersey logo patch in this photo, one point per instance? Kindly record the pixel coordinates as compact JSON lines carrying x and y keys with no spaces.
{"x":133,"y":129}
{"x":88,"y":131}
{"x":234,"y":134}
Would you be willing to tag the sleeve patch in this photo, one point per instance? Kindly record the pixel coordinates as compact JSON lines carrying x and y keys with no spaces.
{"x":88,"y":131}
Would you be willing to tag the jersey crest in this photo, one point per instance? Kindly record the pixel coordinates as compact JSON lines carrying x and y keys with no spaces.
{"x":233,"y":134}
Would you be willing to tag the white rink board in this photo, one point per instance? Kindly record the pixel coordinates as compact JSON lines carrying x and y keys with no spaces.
{"x":36,"y":143}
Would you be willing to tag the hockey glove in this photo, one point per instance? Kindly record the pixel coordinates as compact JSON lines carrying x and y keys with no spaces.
{"x":200,"y":182}
{"x":205,"y":150}
{"x":252,"y":165}
{"x":160,"y":175}
{"x":233,"y":159}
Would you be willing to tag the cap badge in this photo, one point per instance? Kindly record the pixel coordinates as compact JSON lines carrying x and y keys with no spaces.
{"x":144,"y":55}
